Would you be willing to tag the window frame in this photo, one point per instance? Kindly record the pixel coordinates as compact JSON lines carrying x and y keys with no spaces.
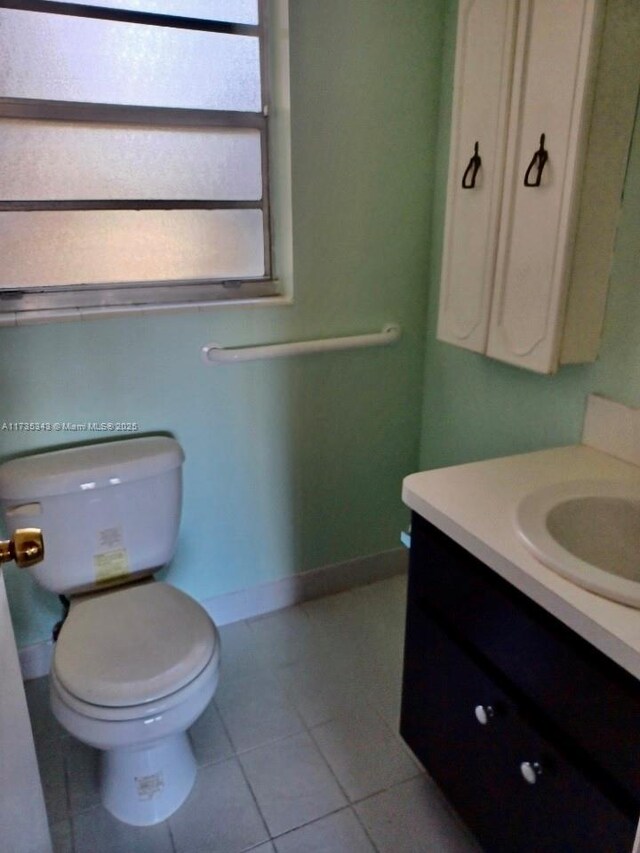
{"x":91,"y":299}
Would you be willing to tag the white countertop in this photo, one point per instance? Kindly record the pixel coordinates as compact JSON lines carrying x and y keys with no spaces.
{"x":475,"y":505}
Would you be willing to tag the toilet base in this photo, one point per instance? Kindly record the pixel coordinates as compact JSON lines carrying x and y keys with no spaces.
{"x":143,"y":785}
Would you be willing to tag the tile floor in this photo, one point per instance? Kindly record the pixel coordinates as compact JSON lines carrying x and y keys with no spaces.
{"x":298,"y":753}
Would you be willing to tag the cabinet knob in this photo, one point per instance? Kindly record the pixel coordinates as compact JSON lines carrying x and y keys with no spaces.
{"x":484,"y":713}
{"x":530,"y":771}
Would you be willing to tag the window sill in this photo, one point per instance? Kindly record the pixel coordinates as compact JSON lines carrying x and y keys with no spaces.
{"x":65,"y":315}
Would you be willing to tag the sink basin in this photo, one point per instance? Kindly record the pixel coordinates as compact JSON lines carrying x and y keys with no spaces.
{"x":589,"y":532}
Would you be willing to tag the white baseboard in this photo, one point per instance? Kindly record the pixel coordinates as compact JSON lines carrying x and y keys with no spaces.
{"x":35,"y":660}
{"x":293,"y":589}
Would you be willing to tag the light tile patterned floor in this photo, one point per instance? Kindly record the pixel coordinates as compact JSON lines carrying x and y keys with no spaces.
{"x":298,"y":753}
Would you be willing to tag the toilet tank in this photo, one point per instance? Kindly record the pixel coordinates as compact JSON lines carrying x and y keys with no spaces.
{"x":108,"y":511}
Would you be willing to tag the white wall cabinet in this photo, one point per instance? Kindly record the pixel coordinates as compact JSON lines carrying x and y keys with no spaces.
{"x":535,"y":175}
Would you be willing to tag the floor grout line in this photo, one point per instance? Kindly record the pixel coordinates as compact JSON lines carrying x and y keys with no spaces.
{"x":346,"y":808}
{"x":67,"y":792}
{"x":339,"y":784}
{"x":365,"y":830}
{"x":270,"y":742}
{"x":307,"y":729}
{"x":248,"y":783}
{"x":174,"y":846}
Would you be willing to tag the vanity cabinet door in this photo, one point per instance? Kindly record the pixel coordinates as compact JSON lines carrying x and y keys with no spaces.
{"x":441,"y":692}
{"x":551,"y":88}
{"x":482,"y":86}
{"x":592,"y":703}
{"x":554,"y":805}
{"x":516,"y":791}
{"x":473,"y":713}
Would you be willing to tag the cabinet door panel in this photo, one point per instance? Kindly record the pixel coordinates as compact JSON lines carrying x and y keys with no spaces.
{"x":484,"y":58}
{"x":478,"y":765}
{"x":551,"y":92}
{"x":441,"y":690}
{"x":563,"y":810}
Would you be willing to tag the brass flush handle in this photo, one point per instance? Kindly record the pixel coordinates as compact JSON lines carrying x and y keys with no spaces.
{"x":26,"y":548}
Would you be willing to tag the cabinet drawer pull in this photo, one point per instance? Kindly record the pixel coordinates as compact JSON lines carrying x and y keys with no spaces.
{"x":474,"y":165}
{"x":538,"y":161}
{"x":484,"y":713}
{"x":530,"y":771}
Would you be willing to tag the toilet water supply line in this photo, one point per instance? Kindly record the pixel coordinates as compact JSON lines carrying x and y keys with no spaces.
{"x":215,"y":354}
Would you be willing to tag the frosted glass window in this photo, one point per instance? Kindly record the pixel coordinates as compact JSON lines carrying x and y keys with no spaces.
{"x":233,"y":11}
{"x":67,"y":142}
{"x":49,"y":160}
{"x":68,"y":58}
{"x":84,"y":247}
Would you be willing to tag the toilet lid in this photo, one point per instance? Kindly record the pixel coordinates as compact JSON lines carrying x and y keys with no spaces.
{"x":133,"y":645}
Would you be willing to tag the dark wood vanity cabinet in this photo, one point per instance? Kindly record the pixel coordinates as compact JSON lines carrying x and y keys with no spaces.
{"x":532,"y":734}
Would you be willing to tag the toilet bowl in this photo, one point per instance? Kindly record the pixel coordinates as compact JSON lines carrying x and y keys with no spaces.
{"x":147,"y":768}
{"x":136,"y":661}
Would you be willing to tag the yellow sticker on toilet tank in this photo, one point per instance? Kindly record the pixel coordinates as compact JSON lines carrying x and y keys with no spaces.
{"x":111,"y":565}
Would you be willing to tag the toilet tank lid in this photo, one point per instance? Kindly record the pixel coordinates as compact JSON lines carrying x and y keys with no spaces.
{"x":92,"y":466}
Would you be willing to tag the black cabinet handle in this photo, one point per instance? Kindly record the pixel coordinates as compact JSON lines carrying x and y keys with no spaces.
{"x":538,"y":161}
{"x":474,"y":165}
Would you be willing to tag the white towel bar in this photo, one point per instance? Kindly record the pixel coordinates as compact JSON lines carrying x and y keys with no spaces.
{"x":215,"y":354}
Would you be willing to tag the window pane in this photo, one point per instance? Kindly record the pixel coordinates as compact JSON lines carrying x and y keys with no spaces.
{"x":234,"y":11}
{"x":84,"y":247}
{"x":48,"y":160}
{"x":64,"y":58}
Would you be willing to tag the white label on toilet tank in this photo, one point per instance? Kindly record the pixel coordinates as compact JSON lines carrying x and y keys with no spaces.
{"x":149,"y":786}
{"x":109,"y":539}
{"x":111,"y":565}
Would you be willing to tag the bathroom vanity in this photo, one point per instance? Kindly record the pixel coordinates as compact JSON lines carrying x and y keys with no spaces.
{"x":521,"y":691}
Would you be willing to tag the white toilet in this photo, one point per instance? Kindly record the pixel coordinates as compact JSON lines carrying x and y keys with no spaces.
{"x":136,"y":661}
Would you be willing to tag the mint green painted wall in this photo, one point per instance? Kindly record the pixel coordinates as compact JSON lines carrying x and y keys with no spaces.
{"x":477,"y":408}
{"x":292,"y":464}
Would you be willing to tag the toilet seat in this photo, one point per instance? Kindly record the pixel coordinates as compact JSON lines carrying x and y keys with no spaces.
{"x":132,"y":713}
{"x":122,"y":653}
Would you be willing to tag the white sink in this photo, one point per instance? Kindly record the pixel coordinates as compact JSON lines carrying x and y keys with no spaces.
{"x":589,"y":532}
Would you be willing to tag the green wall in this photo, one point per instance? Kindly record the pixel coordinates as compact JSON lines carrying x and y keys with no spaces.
{"x":477,"y":408}
{"x":292,"y":464}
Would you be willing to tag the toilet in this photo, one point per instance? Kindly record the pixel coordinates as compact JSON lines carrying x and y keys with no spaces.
{"x":136,"y":661}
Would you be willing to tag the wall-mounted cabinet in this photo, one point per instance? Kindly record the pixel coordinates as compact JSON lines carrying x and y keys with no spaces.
{"x":543,"y":110}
